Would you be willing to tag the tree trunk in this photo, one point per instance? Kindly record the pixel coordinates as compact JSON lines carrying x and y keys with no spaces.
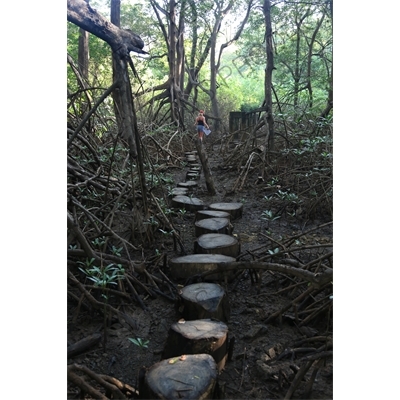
{"x":122,"y":42}
{"x":213,"y":75}
{"x":83,"y":52}
{"x":115,"y":17}
{"x":268,"y":73}
{"x":309,"y":59}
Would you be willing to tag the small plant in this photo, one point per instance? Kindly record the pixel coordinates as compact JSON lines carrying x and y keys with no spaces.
{"x":141,"y":343}
{"x":116,"y":251}
{"x":274,"y":252}
{"x":273,"y":182}
{"x":290,"y":197}
{"x":87,"y":264}
{"x":268,"y":215}
{"x":99,"y":241}
{"x":165,"y":233}
{"x":104,"y":276}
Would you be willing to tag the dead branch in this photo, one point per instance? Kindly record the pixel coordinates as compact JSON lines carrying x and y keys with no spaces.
{"x":297,"y":379}
{"x":317,"y":280}
{"x":114,"y":390}
{"x":83,"y":345}
{"x":84,"y":386}
{"x":102,"y":306}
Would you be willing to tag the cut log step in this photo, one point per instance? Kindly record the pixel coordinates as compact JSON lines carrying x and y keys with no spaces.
{"x":213,"y":225}
{"x":192,"y":176}
{"x":217,"y":243}
{"x":202,"y":214}
{"x":195,"y":169}
{"x":189,"y":185}
{"x":235,"y":209}
{"x":201,"y":336}
{"x":188,"y":203}
{"x":204,"y":300}
{"x":191,"y":377}
{"x":178,"y":191}
{"x":184,"y":267}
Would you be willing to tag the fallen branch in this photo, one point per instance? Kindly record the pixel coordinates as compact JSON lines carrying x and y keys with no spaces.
{"x":83,"y":345}
{"x":317,"y":280}
{"x":115,"y":392}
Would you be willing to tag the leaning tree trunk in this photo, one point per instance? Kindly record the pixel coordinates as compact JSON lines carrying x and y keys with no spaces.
{"x":122,"y":42}
{"x":268,"y":74}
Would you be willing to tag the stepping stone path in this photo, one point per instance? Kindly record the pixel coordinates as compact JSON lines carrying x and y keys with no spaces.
{"x":197,"y":346}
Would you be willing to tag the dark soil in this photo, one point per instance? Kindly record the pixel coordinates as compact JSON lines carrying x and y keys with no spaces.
{"x":250,"y":373}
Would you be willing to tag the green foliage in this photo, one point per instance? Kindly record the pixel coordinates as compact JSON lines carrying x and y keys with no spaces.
{"x":269,"y":216}
{"x":102,"y":276}
{"x":240,"y":79}
{"x":141,"y":343}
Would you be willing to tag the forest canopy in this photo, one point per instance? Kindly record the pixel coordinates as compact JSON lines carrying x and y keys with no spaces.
{"x":214,"y":52}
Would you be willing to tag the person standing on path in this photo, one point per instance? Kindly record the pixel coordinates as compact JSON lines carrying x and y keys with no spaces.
{"x":201,"y":123}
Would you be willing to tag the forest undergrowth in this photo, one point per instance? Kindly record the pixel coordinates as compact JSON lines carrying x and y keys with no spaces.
{"x":122,"y":232}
